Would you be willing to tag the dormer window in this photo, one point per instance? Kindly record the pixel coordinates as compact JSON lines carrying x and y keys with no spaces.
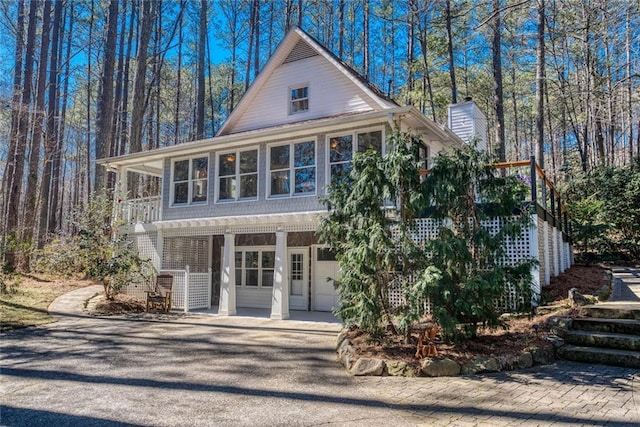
{"x":299,"y":99}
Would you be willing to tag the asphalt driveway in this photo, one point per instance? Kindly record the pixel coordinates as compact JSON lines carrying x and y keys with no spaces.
{"x":207,"y":370}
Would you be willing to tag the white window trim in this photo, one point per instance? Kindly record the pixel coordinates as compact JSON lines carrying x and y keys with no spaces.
{"x":172,"y":203}
{"x":290,"y":101}
{"x":291,"y":168}
{"x":354,"y":135}
{"x":258,"y":249}
{"x":237,"y":152}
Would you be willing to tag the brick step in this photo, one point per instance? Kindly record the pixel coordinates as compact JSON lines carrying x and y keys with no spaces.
{"x":605,"y":356}
{"x":612,"y":311}
{"x":603,"y":340}
{"x":617,"y":326}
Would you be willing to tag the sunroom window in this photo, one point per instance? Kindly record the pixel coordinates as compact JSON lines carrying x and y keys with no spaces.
{"x":190,"y":179}
{"x":292,"y":169}
{"x":254,"y":268}
{"x":342,"y":150}
{"x":298,"y":99}
{"x":238,"y":175}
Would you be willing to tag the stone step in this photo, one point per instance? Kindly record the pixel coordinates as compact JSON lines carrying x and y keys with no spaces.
{"x":605,"y":356}
{"x":617,"y":326}
{"x":612,"y":311}
{"x":603,"y":340}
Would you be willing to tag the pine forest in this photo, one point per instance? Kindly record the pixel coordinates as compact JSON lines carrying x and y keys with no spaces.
{"x":88,"y":79}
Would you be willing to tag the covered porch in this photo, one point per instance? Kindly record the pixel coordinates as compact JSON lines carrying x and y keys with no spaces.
{"x":138,"y":192}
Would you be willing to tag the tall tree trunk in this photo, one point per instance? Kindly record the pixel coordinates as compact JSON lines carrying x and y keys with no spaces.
{"x":51,"y":140}
{"x":17,"y":157}
{"x":117,"y":96}
{"x":288,"y":15}
{"x":16,"y":111}
{"x":629,"y":86}
{"x":252,"y":32}
{"x":410,"y":41}
{"x":104,"y":116}
{"x":202,"y":45}
{"x":340,"y":28}
{"x":498,"y":97}
{"x":540,"y":82}
{"x":256,"y":54}
{"x":176,"y":117}
{"x":514,"y":104}
{"x":139,"y":92}
{"x":87,"y":178}
{"x":365,"y":41}
{"x":55,"y":218}
{"x":124,"y":105}
{"x":452,"y":68}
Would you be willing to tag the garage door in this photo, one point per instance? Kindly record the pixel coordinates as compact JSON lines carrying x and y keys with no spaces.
{"x":325,"y":267}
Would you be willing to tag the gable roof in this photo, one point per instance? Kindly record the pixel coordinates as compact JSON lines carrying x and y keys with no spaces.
{"x":297,"y":45}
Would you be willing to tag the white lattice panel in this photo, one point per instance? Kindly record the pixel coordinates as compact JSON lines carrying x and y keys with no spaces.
{"x":180,"y":252}
{"x":199,"y":290}
{"x":552,"y":248}
{"x":516,"y":250}
{"x":541,"y":230}
{"x":146,"y":244}
{"x":136,"y":290}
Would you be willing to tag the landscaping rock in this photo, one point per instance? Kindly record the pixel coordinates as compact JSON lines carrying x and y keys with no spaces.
{"x":576,"y":298}
{"x":400,"y":368}
{"x":367,"y":367}
{"x":603,"y":293}
{"x":546,"y":309}
{"x":489,"y":364}
{"x":345,"y":353}
{"x":525,"y":360}
{"x":559,"y":323}
{"x":341,"y":337}
{"x":542,"y":355}
{"x":439,"y":368}
{"x":556,"y":341}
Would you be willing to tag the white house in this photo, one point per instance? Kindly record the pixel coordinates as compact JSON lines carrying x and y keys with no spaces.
{"x":236,"y":217}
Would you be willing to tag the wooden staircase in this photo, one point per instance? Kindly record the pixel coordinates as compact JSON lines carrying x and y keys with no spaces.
{"x":609,"y":335}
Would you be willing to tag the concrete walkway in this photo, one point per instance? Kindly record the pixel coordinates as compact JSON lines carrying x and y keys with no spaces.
{"x":204,"y":370}
{"x":626,"y":285}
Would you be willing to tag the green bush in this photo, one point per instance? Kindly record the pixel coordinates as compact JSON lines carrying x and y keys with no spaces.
{"x":61,"y":256}
{"x":370,"y":226}
{"x":110,"y":257}
{"x":605,"y":213}
{"x":466,"y":277}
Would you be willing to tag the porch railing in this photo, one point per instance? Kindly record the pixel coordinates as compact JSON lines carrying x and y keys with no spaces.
{"x":142,"y":210}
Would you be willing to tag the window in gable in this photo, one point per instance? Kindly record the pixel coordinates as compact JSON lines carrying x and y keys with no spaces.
{"x":238,"y":175}
{"x":292,"y":162}
{"x":298,"y":99}
{"x":190,"y":180}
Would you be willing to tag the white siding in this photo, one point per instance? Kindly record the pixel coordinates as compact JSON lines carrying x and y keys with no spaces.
{"x":253,"y":298}
{"x":467,"y":121}
{"x":330,"y":93}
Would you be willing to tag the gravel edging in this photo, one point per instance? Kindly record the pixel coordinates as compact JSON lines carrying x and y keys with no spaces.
{"x":436,"y":367}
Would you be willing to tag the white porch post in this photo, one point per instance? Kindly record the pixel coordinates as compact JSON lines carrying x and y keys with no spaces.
{"x":159,"y":249}
{"x":280,"y":299}
{"x":547,"y":255}
{"x":120,"y":197}
{"x":557,"y":263}
{"x":227,"y":304}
